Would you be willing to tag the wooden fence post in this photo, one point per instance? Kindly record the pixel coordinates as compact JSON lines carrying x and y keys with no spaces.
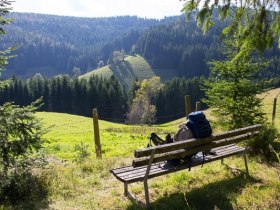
{"x":274,"y":111}
{"x":198,"y":106}
{"x":96,"y":134}
{"x":188,"y":105}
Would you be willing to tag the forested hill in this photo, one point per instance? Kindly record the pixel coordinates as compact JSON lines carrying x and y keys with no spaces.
{"x":182,"y":48}
{"x":54,"y":45}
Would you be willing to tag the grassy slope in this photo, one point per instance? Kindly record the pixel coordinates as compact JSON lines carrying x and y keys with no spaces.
{"x":268,"y":98}
{"x":126,"y":72}
{"x":89,"y":185}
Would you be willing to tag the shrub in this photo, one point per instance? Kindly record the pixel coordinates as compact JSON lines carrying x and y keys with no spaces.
{"x":267,"y":144}
{"x":82,"y":152}
{"x":20,"y":140}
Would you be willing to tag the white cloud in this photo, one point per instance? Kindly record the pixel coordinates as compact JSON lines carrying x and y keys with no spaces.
{"x":101,"y":8}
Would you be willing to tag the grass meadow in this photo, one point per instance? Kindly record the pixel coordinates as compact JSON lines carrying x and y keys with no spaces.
{"x":75,"y":179}
{"x":126,"y":71}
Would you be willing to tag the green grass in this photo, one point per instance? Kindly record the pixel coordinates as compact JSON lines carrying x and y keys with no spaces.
{"x":104,"y":71}
{"x":89,"y":185}
{"x":117,"y":140}
{"x":268,"y":99}
{"x":132,"y":67}
{"x":126,"y":71}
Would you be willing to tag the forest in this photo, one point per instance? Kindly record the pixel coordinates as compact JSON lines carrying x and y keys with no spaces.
{"x":53,"y":45}
{"x":52,"y":54}
{"x":79,"y":96}
{"x":74,"y":96}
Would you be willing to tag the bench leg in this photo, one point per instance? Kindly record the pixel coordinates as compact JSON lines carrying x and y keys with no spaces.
{"x":132,"y":196}
{"x":222,"y":161}
{"x":126,"y":189}
{"x":246,"y":164}
{"x":147,"y":197}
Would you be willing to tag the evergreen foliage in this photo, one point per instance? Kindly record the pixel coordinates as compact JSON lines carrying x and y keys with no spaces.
{"x":79,"y":96}
{"x":232,"y":89}
{"x":70,"y":95}
{"x":50,"y":45}
{"x":4,"y":54}
{"x":53,"y":45}
{"x":20,"y":134}
{"x":258,"y":19}
{"x":170,"y":101}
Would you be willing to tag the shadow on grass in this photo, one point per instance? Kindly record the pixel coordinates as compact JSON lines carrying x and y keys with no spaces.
{"x":212,"y":196}
{"x":25,"y":192}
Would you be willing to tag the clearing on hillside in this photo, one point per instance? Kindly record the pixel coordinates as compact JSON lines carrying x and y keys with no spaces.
{"x":134,"y":66}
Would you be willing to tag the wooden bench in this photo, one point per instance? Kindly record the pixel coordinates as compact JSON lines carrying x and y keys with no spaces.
{"x":150,"y":162}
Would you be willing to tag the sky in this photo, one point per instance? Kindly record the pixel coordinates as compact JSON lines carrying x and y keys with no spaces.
{"x":101,"y":8}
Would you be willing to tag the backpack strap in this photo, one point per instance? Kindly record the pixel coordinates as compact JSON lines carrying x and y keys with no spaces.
{"x":190,"y":162}
{"x":203,"y":158}
{"x":155,"y":139}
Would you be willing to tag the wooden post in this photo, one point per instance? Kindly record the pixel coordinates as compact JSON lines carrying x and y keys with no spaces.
{"x":96,"y":134}
{"x":198,"y":106}
{"x":274,"y":110}
{"x":188,"y":105}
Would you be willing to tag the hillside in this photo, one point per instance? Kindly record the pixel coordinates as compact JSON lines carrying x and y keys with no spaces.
{"x":52,"y":45}
{"x":133,"y":67}
{"x":125,"y":71}
{"x":72,"y":184}
{"x":182,"y":48}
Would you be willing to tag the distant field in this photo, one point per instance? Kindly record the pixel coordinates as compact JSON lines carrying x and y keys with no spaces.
{"x":89,"y":185}
{"x":125,"y":71}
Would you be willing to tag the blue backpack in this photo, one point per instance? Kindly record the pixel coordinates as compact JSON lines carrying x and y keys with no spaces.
{"x":199,"y":125}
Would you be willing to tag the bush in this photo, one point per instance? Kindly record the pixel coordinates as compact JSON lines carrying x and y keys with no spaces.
{"x":20,"y":141}
{"x":82,"y":152}
{"x":267,"y":144}
{"x":21,"y":187}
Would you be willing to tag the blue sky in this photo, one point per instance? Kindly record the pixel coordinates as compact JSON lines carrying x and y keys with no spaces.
{"x":101,"y":8}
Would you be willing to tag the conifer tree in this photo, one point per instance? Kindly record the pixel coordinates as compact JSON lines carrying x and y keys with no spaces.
{"x":4,"y":55}
{"x":20,"y":137}
{"x":259,"y":20}
{"x":232,"y":89}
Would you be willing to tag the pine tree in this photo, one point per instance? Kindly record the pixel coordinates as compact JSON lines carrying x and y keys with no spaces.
{"x":232,"y":89}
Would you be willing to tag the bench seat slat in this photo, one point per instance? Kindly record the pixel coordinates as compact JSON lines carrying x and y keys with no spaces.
{"x":130,"y":174}
{"x":163,"y":171}
{"x":160,"y":170}
{"x":157,"y":167}
{"x":224,"y":149}
{"x":140,"y":170}
{"x":119,"y":171}
{"x":131,"y":168}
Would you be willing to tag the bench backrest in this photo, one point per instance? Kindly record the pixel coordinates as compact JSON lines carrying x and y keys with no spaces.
{"x":182,"y":148}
